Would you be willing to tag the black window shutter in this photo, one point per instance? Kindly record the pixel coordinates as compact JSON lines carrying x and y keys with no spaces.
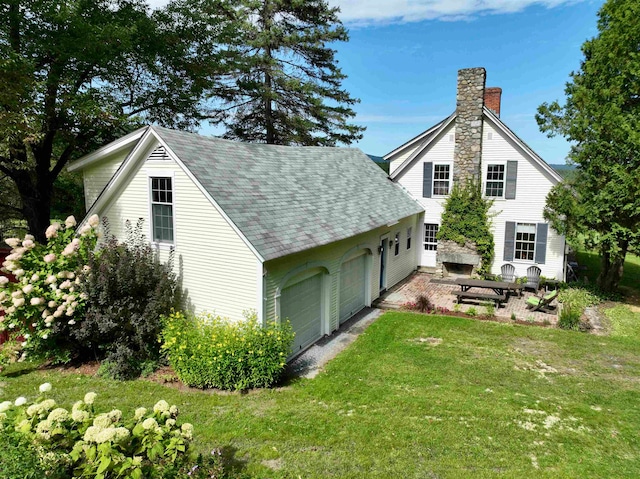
{"x":512,"y":177}
{"x":509,"y":240}
{"x":541,"y":242}
{"x":427,"y":183}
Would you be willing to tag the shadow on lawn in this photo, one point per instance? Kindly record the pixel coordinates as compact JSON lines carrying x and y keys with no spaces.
{"x":630,"y":282}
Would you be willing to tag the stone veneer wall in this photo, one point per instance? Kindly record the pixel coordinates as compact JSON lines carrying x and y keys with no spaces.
{"x":468,"y":141}
{"x":452,"y":252}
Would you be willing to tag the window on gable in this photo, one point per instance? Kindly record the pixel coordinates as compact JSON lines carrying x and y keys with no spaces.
{"x":495,"y":181}
{"x":525,"y":247}
{"x":396,"y":245}
{"x":162,"y":209}
{"x":441,"y":179}
{"x":430,"y":241}
{"x":409,"y":234}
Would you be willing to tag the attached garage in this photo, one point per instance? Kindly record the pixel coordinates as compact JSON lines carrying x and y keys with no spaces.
{"x":353,"y":284}
{"x":301,"y":304}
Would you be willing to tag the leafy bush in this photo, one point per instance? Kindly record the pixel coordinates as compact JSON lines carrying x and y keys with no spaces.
{"x":472,"y":311}
{"x":209,"y":351}
{"x":45,"y":306}
{"x":18,"y":457}
{"x":128,"y":292}
{"x":569,"y":317}
{"x":466,"y":218}
{"x":80,"y":443}
{"x":491,"y":309}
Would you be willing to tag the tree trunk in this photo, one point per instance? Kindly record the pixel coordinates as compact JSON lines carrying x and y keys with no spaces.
{"x":612,"y":267}
{"x":36,"y":204}
{"x":267,"y":21}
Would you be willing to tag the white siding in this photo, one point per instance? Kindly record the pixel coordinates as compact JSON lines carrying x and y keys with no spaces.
{"x":220,"y":273}
{"x":533,"y":184}
{"x":331,"y":257}
{"x":97,"y":176}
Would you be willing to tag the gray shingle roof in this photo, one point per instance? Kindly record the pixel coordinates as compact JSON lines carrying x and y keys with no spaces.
{"x":287,"y":199}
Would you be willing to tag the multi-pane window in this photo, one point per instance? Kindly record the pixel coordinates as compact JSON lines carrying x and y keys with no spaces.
{"x":396,"y":245}
{"x":441,"y":179}
{"x":525,"y":241}
{"x":409,"y":234}
{"x":162,"y":209}
{"x":495,"y":181}
{"x":430,"y":241}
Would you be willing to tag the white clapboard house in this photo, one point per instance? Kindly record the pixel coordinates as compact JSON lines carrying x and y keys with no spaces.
{"x":473,"y":141}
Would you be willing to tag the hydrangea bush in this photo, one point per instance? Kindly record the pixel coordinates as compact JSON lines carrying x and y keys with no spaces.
{"x":46,"y":303}
{"x":151,"y":444}
{"x":212,"y":352}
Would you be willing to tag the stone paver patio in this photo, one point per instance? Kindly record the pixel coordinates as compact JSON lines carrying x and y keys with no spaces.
{"x":439,"y":291}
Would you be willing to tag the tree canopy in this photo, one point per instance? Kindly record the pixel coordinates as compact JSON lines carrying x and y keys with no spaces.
{"x":601,"y":116}
{"x":79,"y":73}
{"x":286,"y":87}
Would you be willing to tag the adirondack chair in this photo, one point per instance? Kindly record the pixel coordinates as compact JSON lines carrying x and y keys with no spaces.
{"x":533,"y":278}
{"x":542,"y":303}
{"x":508,"y":273}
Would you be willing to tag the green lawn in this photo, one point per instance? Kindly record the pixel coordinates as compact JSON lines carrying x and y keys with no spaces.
{"x":630,"y":283}
{"x":490,"y":400}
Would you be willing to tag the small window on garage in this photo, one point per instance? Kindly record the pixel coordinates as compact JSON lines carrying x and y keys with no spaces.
{"x":409,"y":235}
{"x":396,"y":245}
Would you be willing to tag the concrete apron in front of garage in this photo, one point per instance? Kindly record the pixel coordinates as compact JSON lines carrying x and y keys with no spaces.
{"x":310,"y":363}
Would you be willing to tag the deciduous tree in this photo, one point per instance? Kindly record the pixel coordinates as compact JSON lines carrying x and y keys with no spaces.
{"x":601,"y":117}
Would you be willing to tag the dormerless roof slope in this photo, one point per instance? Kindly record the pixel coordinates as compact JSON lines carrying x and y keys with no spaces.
{"x":288,"y":199}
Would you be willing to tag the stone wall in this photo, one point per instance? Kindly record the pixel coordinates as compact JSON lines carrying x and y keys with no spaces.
{"x":452,"y":252}
{"x":468,"y":141}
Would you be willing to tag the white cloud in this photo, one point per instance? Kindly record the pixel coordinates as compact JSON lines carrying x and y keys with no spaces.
{"x":367,"y":12}
{"x":376,"y":12}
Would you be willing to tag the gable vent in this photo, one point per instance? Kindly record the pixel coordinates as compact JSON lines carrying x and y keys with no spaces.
{"x":489,"y":135}
{"x":451,"y":138}
{"x":158,"y":154}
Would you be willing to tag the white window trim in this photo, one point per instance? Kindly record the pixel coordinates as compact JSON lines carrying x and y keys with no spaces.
{"x":153,"y":173}
{"x":424,"y":230}
{"x":409,"y":243}
{"x":433,"y":178}
{"x":485,"y":171}
{"x":535,"y":242}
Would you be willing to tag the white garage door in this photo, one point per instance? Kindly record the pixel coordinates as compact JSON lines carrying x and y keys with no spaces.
{"x":352,"y":287}
{"x":301,"y":304}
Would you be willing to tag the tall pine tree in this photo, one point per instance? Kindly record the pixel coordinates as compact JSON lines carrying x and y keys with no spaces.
{"x":286,"y":88}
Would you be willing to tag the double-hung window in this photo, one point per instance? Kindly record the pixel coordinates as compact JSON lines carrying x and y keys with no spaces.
{"x":162,"y":209}
{"x":441,"y":179}
{"x":525,"y":247}
{"x":409,"y":235}
{"x":494,"y":184}
{"x":396,"y":245}
{"x":430,"y":241}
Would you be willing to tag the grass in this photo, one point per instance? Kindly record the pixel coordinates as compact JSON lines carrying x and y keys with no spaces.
{"x":488,"y":400}
{"x":630,"y":282}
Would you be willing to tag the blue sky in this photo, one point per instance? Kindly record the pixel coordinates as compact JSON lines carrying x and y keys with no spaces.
{"x":403,"y":56}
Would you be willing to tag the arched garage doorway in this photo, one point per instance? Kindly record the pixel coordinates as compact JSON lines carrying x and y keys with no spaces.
{"x":355,"y":273}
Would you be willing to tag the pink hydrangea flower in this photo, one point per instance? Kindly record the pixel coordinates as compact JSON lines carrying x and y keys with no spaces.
{"x":12,"y":242}
{"x":52,"y":231}
{"x":3,"y":280}
{"x":28,"y":244}
{"x":50,"y":258}
{"x":70,"y":222}
{"x":94,"y":221}
{"x":37,"y":301}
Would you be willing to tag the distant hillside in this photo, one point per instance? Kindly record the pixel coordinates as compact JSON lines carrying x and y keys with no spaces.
{"x":563,"y":170}
{"x":381,"y":162}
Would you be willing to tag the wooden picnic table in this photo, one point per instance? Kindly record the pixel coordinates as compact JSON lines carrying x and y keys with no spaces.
{"x":500,"y":289}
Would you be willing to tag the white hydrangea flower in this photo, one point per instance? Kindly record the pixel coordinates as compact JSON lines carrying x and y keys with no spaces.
{"x":78,"y":406}
{"x":187,"y":430}
{"x":115,"y":415}
{"x":3,"y":280}
{"x":173,"y":410}
{"x":52,"y":304}
{"x":49,"y":258}
{"x":47,"y":404}
{"x":94,"y":221}
{"x":18,"y":302}
{"x":12,"y":242}
{"x":18,"y":273}
{"x":102,"y":421}
{"x":35,"y":277}
{"x":37,"y":301}
{"x":28,"y":244}
{"x":58,"y":415}
{"x":84,"y":230}
{"x":45,"y":336}
{"x":45,"y":387}
{"x":17,"y":294}
{"x":140,"y":413}
{"x":21,"y":401}
{"x":106,"y":435}
{"x":91,"y":433}
{"x":161,"y":406}
{"x":170,"y":423}
{"x":79,"y":415}
{"x":89,"y":398}
{"x":121,"y":434}
{"x":28,"y":289}
{"x":5,"y":406}
{"x":43,"y":429}
{"x":70,"y":222}
{"x":33,"y":410}
{"x":52,"y":231}
{"x":149,"y":423}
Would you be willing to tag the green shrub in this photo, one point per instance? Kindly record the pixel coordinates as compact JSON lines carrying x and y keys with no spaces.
{"x":46,"y":304}
{"x":128,"y":292}
{"x":18,"y":457}
{"x":472,"y":311}
{"x":213,"y":352}
{"x":569,"y":317}
{"x":80,"y":443}
{"x":491,"y":309}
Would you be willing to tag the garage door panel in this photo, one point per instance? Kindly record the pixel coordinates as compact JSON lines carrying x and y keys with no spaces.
{"x":352,"y":287}
{"x":301,"y":304}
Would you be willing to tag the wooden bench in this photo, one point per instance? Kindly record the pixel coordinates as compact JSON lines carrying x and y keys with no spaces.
{"x":496,"y":298}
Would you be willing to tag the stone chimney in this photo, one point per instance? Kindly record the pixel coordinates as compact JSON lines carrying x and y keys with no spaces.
{"x":492,"y":98}
{"x":468,"y":141}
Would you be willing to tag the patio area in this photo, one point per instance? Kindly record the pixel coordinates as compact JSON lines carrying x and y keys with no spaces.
{"x":440,"y":292}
